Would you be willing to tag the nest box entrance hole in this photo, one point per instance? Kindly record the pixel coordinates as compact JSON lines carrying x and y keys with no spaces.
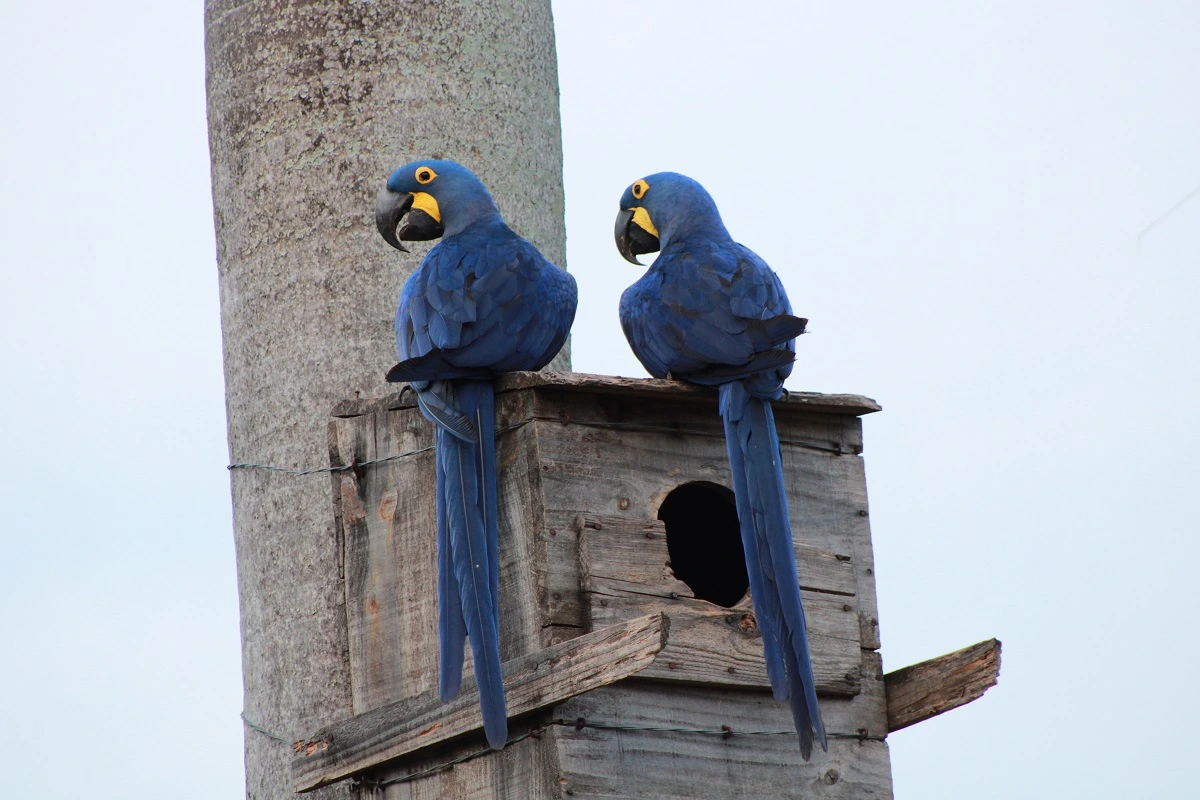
{"x":705,"y":542}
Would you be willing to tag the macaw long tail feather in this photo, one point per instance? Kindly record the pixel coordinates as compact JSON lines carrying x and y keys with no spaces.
{"x":452,"y":628}
{"x":761,"y":496}
{"x":467,"y":484}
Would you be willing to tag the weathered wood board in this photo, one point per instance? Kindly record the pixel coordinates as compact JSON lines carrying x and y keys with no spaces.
{"x":625,"y":574}
{"x":531,"y":682}
{"x":388,"y":520}
{"x":584,"y":464}
{"x":527,"y":769}
{"x":920,"y":691}
{"x":641,"y":740}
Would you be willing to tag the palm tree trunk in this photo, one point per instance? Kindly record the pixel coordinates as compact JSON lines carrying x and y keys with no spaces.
{"x":311,"y":103}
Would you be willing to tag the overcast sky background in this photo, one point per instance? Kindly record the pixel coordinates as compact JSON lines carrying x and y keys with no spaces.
{"x":952,"y":192}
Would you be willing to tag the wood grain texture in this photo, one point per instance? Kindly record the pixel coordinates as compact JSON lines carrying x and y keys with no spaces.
{"x":524,"y":770}
{"x":590,"y":464}
{"x":665,"y":764}
{"x":625,"y":571}
{"x":851,"y":404}
{"x":584,"y":465}
{"x":920,"y":691}
{"x":389,"y":523}
{"x":530,"y":683}
{"x":816,"y":402}
{"x":389,"y":518}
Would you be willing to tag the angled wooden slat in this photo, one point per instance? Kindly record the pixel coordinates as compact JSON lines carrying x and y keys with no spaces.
{"x":918,"y":692}
{"x":531,"y":682}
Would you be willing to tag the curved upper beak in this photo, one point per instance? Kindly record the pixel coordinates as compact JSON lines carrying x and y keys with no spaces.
{"x":632,"y":239}
{"x":391,"y":207}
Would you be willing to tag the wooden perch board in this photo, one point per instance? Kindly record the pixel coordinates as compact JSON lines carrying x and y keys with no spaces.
{"x":924,"y":690}
{"x":531,"y":682}
{"x":846,"y":404}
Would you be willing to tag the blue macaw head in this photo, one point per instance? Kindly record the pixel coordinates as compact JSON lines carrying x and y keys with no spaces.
{"x":661,"y":207}
{"x":439,"y":198}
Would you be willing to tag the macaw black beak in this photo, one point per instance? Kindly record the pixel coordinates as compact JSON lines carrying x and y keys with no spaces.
{"x":391,"y":207}
{"x":632,"y":239}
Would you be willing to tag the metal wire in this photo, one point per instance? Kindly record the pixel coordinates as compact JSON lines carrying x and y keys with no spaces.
{"x":263,"y":731}
{"x":725,"y":731}
{"x":341,"y":468}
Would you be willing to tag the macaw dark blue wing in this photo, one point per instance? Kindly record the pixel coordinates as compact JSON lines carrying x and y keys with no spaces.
{"x":710,"y":311}
{"x":483,"y":303}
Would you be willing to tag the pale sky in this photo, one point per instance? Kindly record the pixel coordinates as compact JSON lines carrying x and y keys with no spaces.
{"x":952,"y":193}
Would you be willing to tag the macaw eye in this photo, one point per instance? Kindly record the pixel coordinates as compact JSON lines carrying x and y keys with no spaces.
{"x":639,"y":189}
{"x":425,"y":175}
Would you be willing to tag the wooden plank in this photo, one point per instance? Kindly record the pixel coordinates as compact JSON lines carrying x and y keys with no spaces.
{"x":684,"y":415}
{"x":631,"y":551}
{"x":468,"y":770}
{"x":531,"y":682}
{"x":846,"y":404}
{"x":531,"y":769}
{"x":920,"y":691}
{"x":389,"y":517}
{"x":522,"y":610}
{"x":851,"y":404}
{"x":626,"y":573}
{"x":639,"y":740}
{"x":827,"y":503}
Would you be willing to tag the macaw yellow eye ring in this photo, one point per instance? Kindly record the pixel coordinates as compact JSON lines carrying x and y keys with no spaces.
{"x":425,"y":175}
{"x":639,"y":189}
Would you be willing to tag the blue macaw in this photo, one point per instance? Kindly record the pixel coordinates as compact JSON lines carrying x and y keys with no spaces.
{"x":710,"y":311}
{"x":484,"y":301}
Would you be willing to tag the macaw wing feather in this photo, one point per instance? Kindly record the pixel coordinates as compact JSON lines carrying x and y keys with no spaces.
{"x":723,"y":373}
{"x":436,"y":402}
{"x":433,"y":366}
{"x":715,"y":309}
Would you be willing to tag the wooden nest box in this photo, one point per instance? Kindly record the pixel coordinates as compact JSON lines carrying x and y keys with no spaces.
{"x":633,"y":664}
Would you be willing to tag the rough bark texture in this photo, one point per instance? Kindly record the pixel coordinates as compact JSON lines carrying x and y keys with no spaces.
{"x":311,"y":104}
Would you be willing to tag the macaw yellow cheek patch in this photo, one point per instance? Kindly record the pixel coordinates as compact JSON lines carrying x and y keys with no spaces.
{"x":425,"y":202}
{"x":642,"y":218}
